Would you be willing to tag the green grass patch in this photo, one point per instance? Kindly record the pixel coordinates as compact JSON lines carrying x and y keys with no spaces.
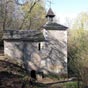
{"x":53,"y":76}
{"x":70,"y":85}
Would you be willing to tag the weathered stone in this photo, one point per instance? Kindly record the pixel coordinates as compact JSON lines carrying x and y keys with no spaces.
{"x":52,"y":57}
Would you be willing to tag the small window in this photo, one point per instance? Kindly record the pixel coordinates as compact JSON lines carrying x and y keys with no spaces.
{"x":39,"y":46}
{"x":1,"y":47}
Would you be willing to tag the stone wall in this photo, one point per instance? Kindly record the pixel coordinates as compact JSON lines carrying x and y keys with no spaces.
{"x":52,"y":57}
{"x":54,"y":53}
{"x":13,"y":50}
{"x":22,"y":51}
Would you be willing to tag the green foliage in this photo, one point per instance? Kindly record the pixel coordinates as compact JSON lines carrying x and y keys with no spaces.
{"x":53,"y":76}
{"x":77,"y":54}
{"x":70,"y":85}
{"x":35,"y":18}
{"x":78,"y":45}
{"x":31,"y":15}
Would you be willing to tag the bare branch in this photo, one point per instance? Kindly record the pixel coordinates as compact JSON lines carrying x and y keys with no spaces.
{"x":26,"y":16}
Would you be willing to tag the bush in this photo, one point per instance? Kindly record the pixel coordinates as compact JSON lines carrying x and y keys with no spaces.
{"x":78,"y":54}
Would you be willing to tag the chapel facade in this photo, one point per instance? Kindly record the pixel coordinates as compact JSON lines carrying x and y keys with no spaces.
{"x":40,"y":50}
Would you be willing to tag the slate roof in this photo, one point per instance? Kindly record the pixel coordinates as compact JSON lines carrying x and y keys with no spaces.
{"x":50,"y":13}
{"x":54,"y":26}
{"x":24,"y":35}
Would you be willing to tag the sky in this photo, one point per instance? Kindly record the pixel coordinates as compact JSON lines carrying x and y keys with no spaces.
{"x":68,"y":8}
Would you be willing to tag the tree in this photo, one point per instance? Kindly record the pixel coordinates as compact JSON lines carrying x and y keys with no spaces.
{"x":7,"y":8}
{"x":29,"y":15}
{"x":34,"y":15}
{"x":77,"y":54}
{"x":81,"y":21}
{"x":14,"y":15}
{"x":6,"y":16}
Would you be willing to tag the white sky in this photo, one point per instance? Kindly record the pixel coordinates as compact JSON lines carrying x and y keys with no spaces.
{"x":68,"y":8}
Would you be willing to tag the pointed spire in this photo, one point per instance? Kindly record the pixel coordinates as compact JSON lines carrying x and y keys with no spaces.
{"x":50,"y":13}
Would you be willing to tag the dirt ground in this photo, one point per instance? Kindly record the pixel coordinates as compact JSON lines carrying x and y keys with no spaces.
{"x":13,"y":76}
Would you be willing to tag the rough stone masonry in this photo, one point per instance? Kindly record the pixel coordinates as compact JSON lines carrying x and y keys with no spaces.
{"x":41,"y":50}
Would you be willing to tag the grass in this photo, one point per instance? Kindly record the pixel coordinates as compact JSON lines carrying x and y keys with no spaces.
{"x":70,"y":85}
{"x":53,"y":76}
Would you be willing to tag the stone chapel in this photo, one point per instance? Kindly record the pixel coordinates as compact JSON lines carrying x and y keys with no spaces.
{"x":40,"y":50}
